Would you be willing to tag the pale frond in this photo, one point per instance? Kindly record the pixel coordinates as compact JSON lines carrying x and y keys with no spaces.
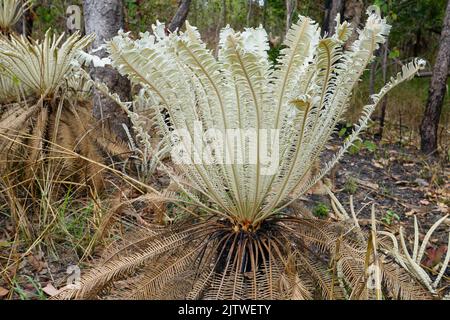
{"x":41,"y":66}
{"x":302,"y":98}
{"x":10,"y":12}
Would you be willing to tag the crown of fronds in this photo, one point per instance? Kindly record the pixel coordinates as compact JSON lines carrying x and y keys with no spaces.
{"x":10,"y":12}
{"x":303,"y":96}
{"x":41,"y":66}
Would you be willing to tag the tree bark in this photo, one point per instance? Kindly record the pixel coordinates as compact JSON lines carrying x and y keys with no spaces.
{"x":180,"y":16}
{"x":223,"y":19}
{"x":104,"y":18}
{"x":436,"y":94}
{"x":332,"y":8}
{"x":372,"y":77}
{"x":264,"y":18}
{"x":353,"y":11}
{"x":25,"y":24}
{"x":384,"y":101}
{"x":290,"y":8}
{"x":249,"y":12}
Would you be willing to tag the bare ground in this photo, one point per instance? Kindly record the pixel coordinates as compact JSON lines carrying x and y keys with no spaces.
{"x":397,"y":179}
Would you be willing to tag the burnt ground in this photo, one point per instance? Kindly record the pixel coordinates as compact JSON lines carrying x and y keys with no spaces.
{"x":400,"y":182}
{"x":397,"y":179}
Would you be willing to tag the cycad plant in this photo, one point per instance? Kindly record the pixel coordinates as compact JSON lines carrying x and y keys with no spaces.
{"x":50,"y":122}
{"x":241,"y":241}
{"x":10,"y":13}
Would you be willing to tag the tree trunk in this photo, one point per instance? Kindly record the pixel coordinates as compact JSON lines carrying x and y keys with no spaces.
{"x":290,"y":8}
{"x":249,"y":12}
{"x":372,"y":78}
{"x":25,"y":24}
{"x":353,"y":12}
{"x":332,"y":8}
{"x":384,"y":101}
{"x":264,"y":19}
{"x":436,"y":94}
{"x":223,"y":19}
{"x":104,"y":18}
{"x":180,"y":16}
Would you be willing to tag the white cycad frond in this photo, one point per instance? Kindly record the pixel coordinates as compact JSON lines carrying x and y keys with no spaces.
{"x":300,"y":42}
{"x":41,"y":66}
{"x":247,"y":73}
{"x":332,"y":82}
{"x":192,"y":52}
{"x":293,"y":80}
{"x":11,"y":11}
{"x":408,"y":71}
{"x":153,"y":68}
{"x":350,"y":70}
{"x":256,"y":41}
{"x":172,"y":85}
{"x":343,"y":30}
{"x":244,"y":60}
{"x":219,"y":101}
{"x":300,"y":146}
{"x":302,"y":98}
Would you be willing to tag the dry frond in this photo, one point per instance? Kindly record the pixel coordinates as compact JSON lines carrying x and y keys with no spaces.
{"x":286,"y":258}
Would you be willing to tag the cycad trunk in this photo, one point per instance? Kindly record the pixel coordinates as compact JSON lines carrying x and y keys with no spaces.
{"x":105,"y":18}
{"x":430,"y":122}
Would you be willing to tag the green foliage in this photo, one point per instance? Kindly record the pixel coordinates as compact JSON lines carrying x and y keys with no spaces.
{"x":47,"y":15}
{"x":23,"y":294}
{"x":274,"y":53}
{"x":361,"y":145}
{"x":321,"y":210}
{"x":350,"y":185}
{"x":414,"y":22}
{"x":390,"y":217}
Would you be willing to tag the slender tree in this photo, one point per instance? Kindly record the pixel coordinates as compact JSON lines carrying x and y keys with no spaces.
{"x":332,"y":8}
{"x":180,"y":16}
{"x":353,"y":12}
{"x":223,"y":18}
{"x":290,"y":8}
{"x":436,"y":94}
{"x":384,"y":101}
{"x":249,"y":12}
{"x":105,"y":18}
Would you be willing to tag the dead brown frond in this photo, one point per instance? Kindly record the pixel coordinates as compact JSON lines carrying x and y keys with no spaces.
{"x":285,"y":258}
